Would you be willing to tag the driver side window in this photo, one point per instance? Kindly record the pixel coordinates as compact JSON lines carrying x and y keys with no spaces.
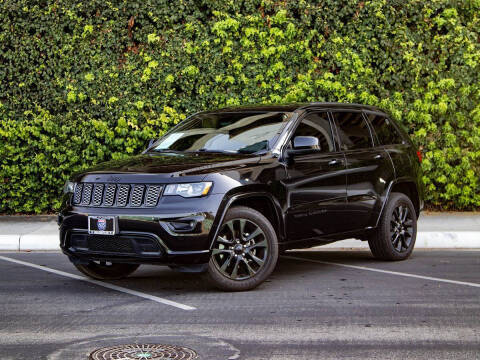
{"x":318,"y":126}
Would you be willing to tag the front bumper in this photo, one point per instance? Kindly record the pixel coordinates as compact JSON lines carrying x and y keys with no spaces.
{"x":163,"y":235}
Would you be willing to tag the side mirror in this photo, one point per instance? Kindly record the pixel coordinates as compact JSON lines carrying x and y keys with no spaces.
{"x":305,"y":143}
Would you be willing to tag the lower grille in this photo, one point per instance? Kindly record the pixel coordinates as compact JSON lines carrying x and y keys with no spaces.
{"x":106,"y":244}
{"x":117,"y":244}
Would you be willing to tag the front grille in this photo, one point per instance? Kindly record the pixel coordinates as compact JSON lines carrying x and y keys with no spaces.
{"x":116,"y":195}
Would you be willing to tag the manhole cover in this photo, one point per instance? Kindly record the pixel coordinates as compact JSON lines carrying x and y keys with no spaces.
{"x":144,"y":351}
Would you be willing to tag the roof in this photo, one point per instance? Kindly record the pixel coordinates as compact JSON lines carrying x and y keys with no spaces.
{"x":292,"y":107}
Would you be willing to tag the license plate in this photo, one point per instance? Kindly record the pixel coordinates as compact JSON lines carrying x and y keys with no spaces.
{"x":104,"y":225}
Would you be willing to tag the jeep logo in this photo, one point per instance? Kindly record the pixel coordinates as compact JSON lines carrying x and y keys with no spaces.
{"x":113,"y":179}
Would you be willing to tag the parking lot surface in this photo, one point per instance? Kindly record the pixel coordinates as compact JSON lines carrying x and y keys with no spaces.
{"x":320,"y":304}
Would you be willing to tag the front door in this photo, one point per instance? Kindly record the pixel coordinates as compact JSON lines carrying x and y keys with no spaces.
{"x":316,"y":184}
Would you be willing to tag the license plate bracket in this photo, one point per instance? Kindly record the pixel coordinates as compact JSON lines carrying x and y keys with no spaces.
{"x":102,"y":225}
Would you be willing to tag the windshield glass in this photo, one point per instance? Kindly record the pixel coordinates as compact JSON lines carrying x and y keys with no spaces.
{"x":235,"y":132}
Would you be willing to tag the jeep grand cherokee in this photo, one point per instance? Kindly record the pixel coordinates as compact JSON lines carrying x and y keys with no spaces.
{"x":225,"y":191}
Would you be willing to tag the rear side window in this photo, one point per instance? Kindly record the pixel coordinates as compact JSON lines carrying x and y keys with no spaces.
{"x":352,"y":130}
{"x":386,"y":132}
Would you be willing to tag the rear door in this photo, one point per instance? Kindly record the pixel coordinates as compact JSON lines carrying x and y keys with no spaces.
{"x":368,"y":168}
{"x":394,"y":144}
{"x":316,"y":184}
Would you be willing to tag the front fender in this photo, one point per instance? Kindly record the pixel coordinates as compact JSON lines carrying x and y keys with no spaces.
{"x":231,"y":198}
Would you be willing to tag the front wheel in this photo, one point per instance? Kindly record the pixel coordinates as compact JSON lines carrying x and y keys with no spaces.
{"x":396,"y":233}
{"x":244,"y":252}
{"x":104,"y":270}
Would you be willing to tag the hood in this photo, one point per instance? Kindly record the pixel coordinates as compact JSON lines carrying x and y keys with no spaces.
{"x":172,"y":164}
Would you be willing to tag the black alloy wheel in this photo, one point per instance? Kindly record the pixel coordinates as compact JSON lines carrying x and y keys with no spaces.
{"x":394,"y":238}
{"x":240,"y":249}
{"x":244,"y":252}
{"x":401,"y":228}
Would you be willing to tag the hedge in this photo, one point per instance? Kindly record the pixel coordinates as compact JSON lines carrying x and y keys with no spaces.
{"x":85,"y":82}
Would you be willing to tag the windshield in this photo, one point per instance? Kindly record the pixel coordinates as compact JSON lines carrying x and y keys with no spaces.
{"x":235,"y":132}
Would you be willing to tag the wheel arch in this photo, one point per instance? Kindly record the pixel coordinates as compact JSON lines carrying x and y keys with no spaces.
{"x":263,"y":202}
{"x":405,"y":186}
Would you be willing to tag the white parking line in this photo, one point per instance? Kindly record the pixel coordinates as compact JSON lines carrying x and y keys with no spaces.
{"x":386,"y":271}
{"x":101,"y":283}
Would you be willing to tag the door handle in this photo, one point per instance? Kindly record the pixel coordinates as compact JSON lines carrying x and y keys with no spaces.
{"x":333,"y":162}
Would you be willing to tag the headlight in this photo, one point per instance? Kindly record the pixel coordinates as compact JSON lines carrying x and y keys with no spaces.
{"x":69,"y":187}
{"x":189,"y":190}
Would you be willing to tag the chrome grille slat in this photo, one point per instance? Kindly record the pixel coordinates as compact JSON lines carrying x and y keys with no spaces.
{"x":87,"y":194}
{"x":109,"y":195}
{"x":122,"y":195}
{"x":137,"y":195}
{"x":97,"y":194}
{"x":77,"y":196}
{"x":152,"y":195}
{"x":116,"y":195}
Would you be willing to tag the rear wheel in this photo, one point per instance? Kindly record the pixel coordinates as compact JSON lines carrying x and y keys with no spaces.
{"x":245,"y":251}
{"x":104,"y":270}
{"x":395,"y":236}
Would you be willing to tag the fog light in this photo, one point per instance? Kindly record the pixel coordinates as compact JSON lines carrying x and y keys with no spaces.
{"x":183,"y":226}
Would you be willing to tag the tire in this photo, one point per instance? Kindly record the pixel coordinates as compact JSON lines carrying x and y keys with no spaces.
{"x":253,"y":256}
{"x":394,"y":238}
{"x":102,"y":271}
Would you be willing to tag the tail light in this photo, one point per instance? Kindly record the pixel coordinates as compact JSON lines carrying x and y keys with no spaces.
{"x":419,"y":155}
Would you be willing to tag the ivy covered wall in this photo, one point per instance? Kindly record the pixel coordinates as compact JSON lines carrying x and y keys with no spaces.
{"x":84,"y":82}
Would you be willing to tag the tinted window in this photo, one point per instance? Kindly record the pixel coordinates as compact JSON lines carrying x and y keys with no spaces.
{"x":386,"y":132}
{"x":317,"y":125}
{"x":352,"y":130}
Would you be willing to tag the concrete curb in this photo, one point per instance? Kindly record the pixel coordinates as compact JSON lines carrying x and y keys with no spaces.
{"x":425,"y":240}
{"x":38,"y":242}
{"x":10,"y":242}
{"x":435,"y":231}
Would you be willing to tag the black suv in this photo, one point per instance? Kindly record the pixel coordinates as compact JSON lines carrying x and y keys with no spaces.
{"x":226,"y":191}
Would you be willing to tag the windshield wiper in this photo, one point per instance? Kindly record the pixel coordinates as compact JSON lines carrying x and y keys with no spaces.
{"x":215,"y":151}
{"x":165,"y":151}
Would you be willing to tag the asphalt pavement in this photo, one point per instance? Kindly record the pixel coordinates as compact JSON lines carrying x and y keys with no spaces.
{"x":321,"y":304}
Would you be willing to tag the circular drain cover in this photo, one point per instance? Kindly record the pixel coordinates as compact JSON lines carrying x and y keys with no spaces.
{"x":144,"y":351}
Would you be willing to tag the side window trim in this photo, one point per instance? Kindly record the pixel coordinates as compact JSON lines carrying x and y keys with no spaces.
{"x":336,"y":137}
{"x":372,"y":135}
